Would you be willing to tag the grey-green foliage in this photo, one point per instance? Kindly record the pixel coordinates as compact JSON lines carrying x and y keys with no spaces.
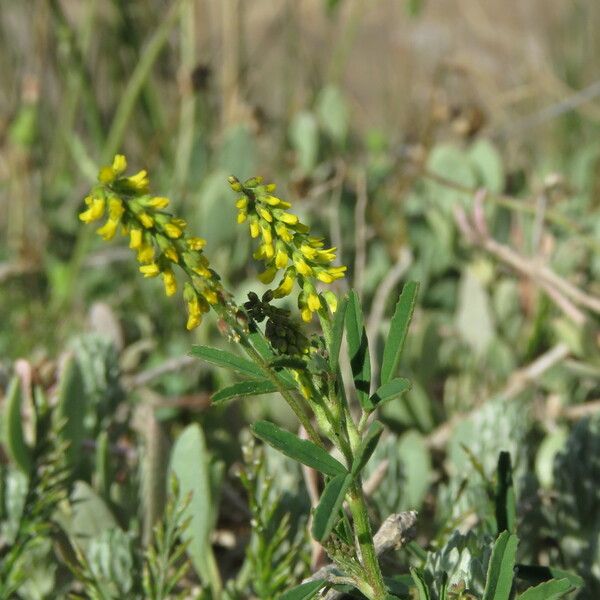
{"x":499,"y":425}
{"x":575,"y":514}
{"x":464,"y":558}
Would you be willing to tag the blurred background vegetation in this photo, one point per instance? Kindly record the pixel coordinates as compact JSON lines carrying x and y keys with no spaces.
{"x":380,"y":120}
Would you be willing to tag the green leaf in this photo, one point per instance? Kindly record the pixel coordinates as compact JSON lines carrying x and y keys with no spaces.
{"x":244,"y":388}
{"x":190,"y":462}
{"x":506,"y":509}
{"x":289,"y":362}
{"x":500,"y":573}
{"x":390,"y":390}
{"x":71,"y":408}
{"x":420,"y":584}
{"x":549,"y":590}
{"x":304,"y":136}
{"x":367,"y":447}
{"x":337,"y":332}
{"x":333,"y":113}
{"x":358,"y":349}
{"x":398,"y":330}
{"x":535,"y":574}
{"x":327,"y":512}
{"x":304,"y":591}
{"x":14,"y":438}
{"x":304,"y":451}
{"x":225,"y":359}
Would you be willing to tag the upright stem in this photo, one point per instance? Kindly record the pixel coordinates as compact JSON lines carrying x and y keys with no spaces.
{"x":364,"y":540}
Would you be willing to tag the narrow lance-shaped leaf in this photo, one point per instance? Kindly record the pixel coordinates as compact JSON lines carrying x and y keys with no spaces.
{"x":420,"y":584}
{"x":225,"y":359}
{"x":394,"y":345}
{"x":304,"y":591}
{"x":304,"y":451}
{"x":535,"y":574}
{"x":246,"y":388}
{"x":555,"y":589}
{"x":337,"y":332}
{"x":500,"y":573}
{"x":367,"y":447}
{"x":506,"y":511}
{"x":17,"y":448}
{"x":358,"y":349}
{"x":390,"y":391}
{"x":327,"y":512}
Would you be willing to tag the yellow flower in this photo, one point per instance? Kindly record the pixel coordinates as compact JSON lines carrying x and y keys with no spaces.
{"x":272,"y":200}
{"x":242,"y":203}
{"x":171,"y":253}
{"x":151,"y":270}
{"x":195,"y":243}
{"x":108,"y":230}
{"x":173,"y":230}
{"x":95,"y":210}
{"x":331,"y":299}
{"x":264,"y":213}
{"x":301,"y":266}
{"x":146,"y":220}
{"x":281,"y":257}
{"x":309,"y":252}
{"x":254,"y":228}
{"x":306,"y":314}
{"x":135,"y":238}
{"x":119,"y":164}
{"x":169,"y":282}
{"x":283,"y":232}
{"x":242,"y":216}
{"x":266,"y":232}
{"x":211,"y":296}
{"x":139,"y":182}
{"x":145,"y":253}
{"x":158,"y":202}
{"x":313,"y":301}
{"x":285,"y":285}
{"x":288,"y":218}
{"x":115,"y":208}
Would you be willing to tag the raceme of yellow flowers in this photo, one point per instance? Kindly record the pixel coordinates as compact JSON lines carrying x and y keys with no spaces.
{"x":161,"y":241}
{"x":286,"y":245}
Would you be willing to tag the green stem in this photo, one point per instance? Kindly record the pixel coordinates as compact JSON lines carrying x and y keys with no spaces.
{"x":364,"y":540}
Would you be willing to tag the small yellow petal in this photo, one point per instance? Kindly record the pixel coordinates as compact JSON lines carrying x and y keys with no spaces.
{"x":151,"y":270}
{"x":119,"y":164}
{"x":135,"y":238}
{"x":169,"y":282}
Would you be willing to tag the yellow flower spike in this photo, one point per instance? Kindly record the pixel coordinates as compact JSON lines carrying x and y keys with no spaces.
{"x":254,"y":228}
{"x":285,"y":285}
{"x":169,"y":282}
{"x":158,"y":202}
{"x":195,"y":243}
{"x":115,"y":208}
{"x":145,"y":253}
{"x":271,"y":200}
{"x":264,"y":213}
{"x":301,"y":266}
{"x":108,"y":230}
{"x":281,"y":257}
{"x":139,"y":182}
{"x":288,"y":218}
{"x":265,"y":229}
{"x":151,"y":270}
{"x":135,"y":238}
{"x":119,"y":164}
{"x":171,"y":253}
{"x":267,"y":276}
{"x":173,"y":230}
{"x":95,"y":210}
{"x":146,"y":220}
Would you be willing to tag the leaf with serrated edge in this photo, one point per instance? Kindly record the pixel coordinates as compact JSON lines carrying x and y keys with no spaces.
{"x":500,"y":573}
{"x":398,"y":330}
{"x":225,"y":359}
{"x":303,"y":451}
{"x":327,"y":512}
{"x":304,"y":591}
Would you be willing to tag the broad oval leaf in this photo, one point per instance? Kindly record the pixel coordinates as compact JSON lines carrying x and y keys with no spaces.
{"x":500,"y":573}
{"x":327,"y":512}
{"x":304,"y":591}
{"x":225,"y":359}
{"x":398,"y":330}
{"x":304,"y":451}
{"x":358,"y":349}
